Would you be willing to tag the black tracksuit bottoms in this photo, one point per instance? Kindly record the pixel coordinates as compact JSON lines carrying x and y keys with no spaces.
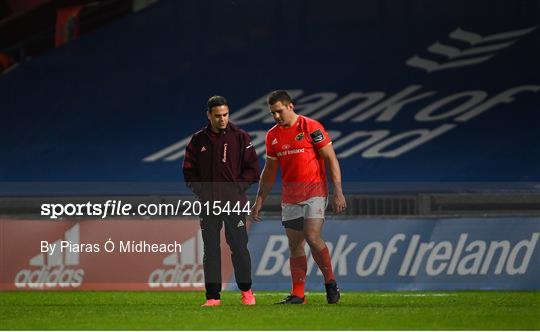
{"x":237,"y":239}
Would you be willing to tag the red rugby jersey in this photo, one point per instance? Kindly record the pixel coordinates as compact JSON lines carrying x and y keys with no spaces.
{"x":296,"y":148}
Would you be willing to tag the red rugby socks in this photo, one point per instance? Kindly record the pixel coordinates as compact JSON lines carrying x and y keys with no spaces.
{"x":322,"y":258}
{"x":298,"y":275}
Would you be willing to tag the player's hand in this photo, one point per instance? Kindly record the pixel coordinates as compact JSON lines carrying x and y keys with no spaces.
{"x":339,"y":204}
{"x":255,"y":210}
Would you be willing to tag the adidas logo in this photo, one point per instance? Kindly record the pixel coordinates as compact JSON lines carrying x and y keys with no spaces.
{"x":203,"y":149}
{"x":185,"y":269}
{"x":274,"y":142}
{"x":240,"y":223}
{"x":52,"y":268}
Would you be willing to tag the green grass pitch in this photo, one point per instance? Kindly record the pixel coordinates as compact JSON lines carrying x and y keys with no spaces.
{"x":357,"y":311}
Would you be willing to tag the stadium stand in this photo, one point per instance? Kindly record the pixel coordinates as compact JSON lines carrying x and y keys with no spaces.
{"x":420,"y":99}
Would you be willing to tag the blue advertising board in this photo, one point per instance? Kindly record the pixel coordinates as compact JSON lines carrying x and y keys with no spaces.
{"x":410,"y":254}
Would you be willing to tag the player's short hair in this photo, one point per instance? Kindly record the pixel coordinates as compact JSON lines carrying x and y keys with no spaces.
{"x":215,"y":101}
{"x":279,"y":95}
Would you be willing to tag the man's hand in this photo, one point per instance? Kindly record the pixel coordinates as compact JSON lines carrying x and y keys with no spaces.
{"x":338,"y":203}
{"x":255,"y":210}
{"x":268,"y":177}
{"x":338,"y":200}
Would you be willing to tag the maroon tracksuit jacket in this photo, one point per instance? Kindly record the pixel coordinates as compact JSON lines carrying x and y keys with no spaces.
{"x":221,"y":168}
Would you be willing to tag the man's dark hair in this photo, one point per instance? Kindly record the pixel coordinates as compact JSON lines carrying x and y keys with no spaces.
{"x":216,"y":101}
{"x":279,"y":95}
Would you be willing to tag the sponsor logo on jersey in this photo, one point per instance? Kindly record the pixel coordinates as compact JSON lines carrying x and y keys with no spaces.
{"x":289,"y":152}
{"x":285,"y":146}
{"x":274,"y":142}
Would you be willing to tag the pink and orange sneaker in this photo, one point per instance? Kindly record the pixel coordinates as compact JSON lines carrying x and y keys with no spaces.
{"x":248,"y":298}
{"x":211,"y":303}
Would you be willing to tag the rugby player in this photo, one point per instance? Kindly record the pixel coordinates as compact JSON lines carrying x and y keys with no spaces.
{"x":301,"y":147}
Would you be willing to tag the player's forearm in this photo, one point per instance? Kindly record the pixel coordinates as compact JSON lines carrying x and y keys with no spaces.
{"x":265,"y":184}
{"x":335,"y":175}
{"x":264,"y":190}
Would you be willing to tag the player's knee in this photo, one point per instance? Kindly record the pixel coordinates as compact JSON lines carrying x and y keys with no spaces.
{"x":311,"y":237}
{"x":313,"y":240}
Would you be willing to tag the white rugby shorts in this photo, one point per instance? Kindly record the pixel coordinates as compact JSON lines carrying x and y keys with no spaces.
{"x":311,"y":208}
